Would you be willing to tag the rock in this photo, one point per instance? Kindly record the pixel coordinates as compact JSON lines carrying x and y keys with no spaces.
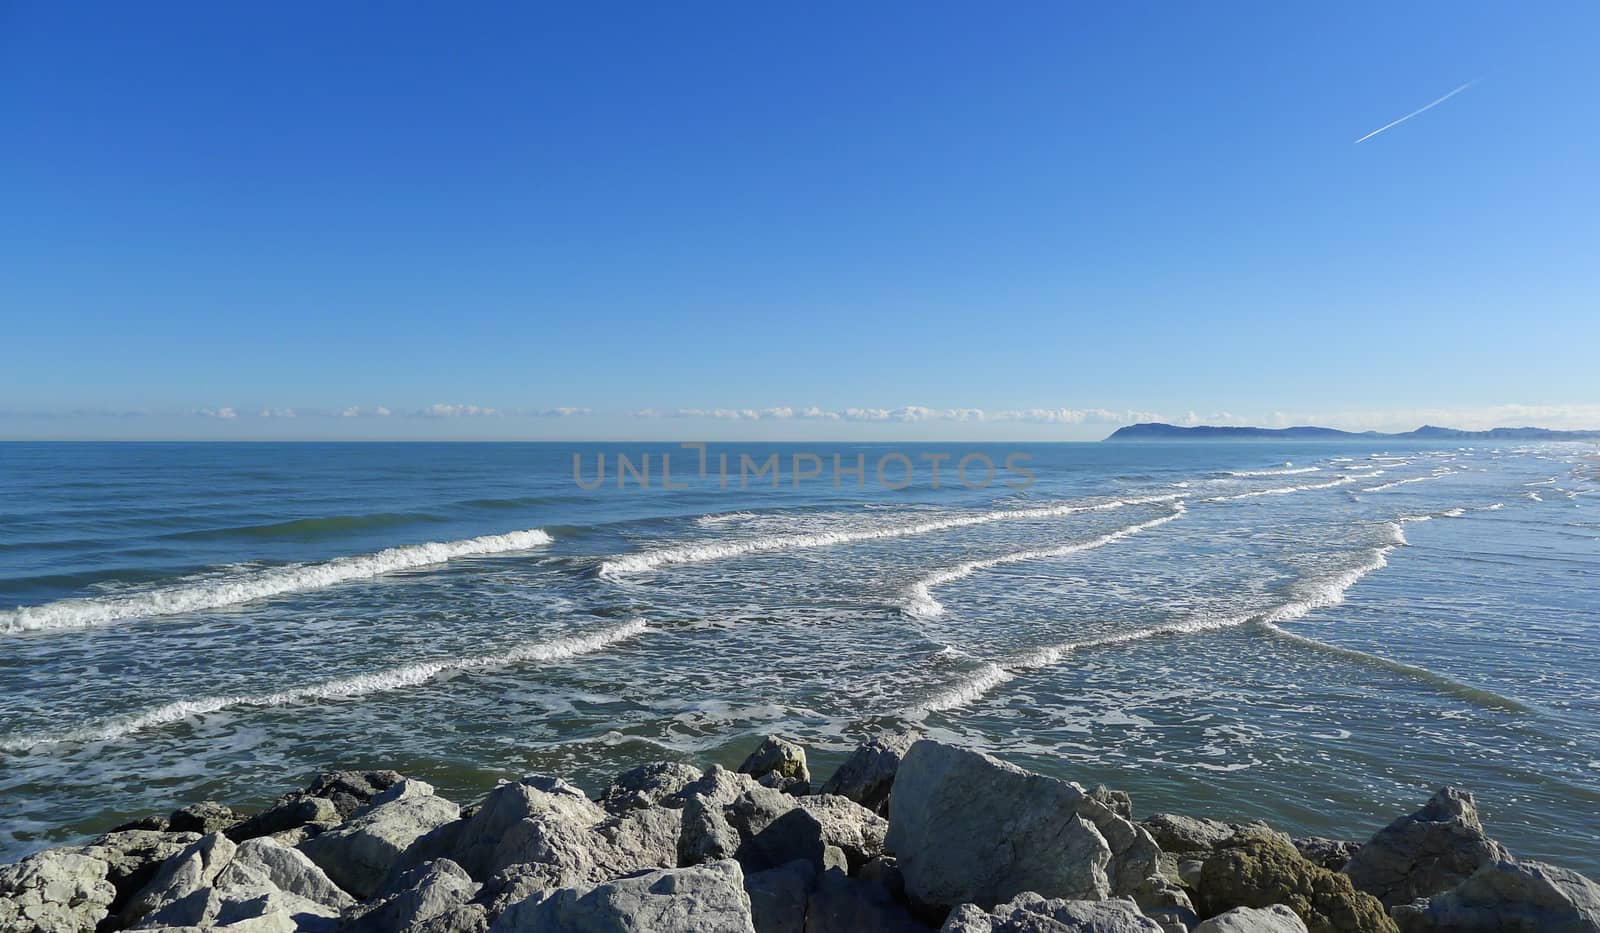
{"x":194,"y":868}
{"x":1030,"y":913}
{"x":706,"y":898}
{"x":1515,"y":897}
{"x":291,"y":871}
{"x":498,"y":835}
{"x":773,"y":830}
{"x":132,"y":857}
{"x":291,"y":813}
{"x":776,"y":755}
{"x":350,"y":790}
{"x":54,"y":891}
{"x":359,"y":854}
{"x":1426,"y":853}
{"x":717,"y":785}
{"x":203,"y":818}
{"x":841,"y":904}
{"x":968,"y":827}
{"x":154,"y":824}
{"x":1117,"y":801}
{"x":423,"y":894}
{"x":647,"y":786}
{"x":853,"y":828}
{"x":706,"y":835}
{"x":868,"y":774}
{"x":1332,"y":854}
{"x":1187,"y":835}
{"x":638,"y":840}
{"x":778,"y":896}
{"x":1259,"y":868}
{"x":1274,"y":919}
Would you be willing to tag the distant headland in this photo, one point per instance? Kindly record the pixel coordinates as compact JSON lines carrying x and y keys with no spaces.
{"x":1155,"y":431}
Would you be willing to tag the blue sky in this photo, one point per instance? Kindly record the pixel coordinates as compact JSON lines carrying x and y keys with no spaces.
{"x":917,"y":220}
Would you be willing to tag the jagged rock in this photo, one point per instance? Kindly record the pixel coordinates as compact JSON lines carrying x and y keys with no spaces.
{"x":1514,"y":897}
{"x":245,"y":900}
{"x":350,"y":790}
{"x":717,"y":785}
{"x":968,"y":827}
{"x":853,"y":828}
{"x":203,"y":818}
{"x":770,"y":836}
{"x":1274,"y":919}
{"x":706,"y":898}
{"x":1186,"y":835}
{"x":638,"y":840}
{"x":194,"y":868}
{"x":1332,"y":854}
{"x":706,"y":835}
{"x":780,"y":756}
{"x":516,"y":883}
{"x":132,"y":857}
{"x":1259,"y":868}
{"x":778,"y":896}
{"x":419,"y":896}
{"x":1030,"y":913}
{"x":1426,"y":853}
{"x":498,"y":835}
{"x":868,"y":774}
{"x":154,"y":824}
{"x":841,"y":904}
{"x":293,"y":812}
{"x":359,"y":854}
{"x":647,"y":786}
{"x":54,"y":891}
{"x":1117,"y":801}
{"x":291,"y":871}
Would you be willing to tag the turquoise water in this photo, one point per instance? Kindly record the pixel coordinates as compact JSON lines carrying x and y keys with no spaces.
{"x":1314,"y":634}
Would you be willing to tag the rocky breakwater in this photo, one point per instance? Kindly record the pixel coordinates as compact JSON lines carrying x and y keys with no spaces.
{"x":908,"y":835}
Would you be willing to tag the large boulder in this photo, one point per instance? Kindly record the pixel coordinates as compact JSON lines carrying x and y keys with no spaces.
{"x":970,"y":828}
{"x":841,"y":904}
{"x":647,"y":786}
{"x":132,"y":857}
{"x":290,"y":813}
{"x":501,"y":833}
{"x":349,"y":791}
{"x":423,"y":894}
{"x":778,"y":896}
{"x":203,"y":818}
{"x":1332,"y":854}
{"x":359,"y":855}
{"x":1274,"y":919}
{"x":291,"y":871}
{"x":54,"y":890}
{"x":868,"y":774}
{"x":707,"y":898}
{"x":1514,"y":897}
{"x":1030,"y":913}
{"x":1426,"y":853}
{"x":780,"y":764}
{"x":1259,"y":868}
{"x":195,"y":868}
{"x":857,"y":831}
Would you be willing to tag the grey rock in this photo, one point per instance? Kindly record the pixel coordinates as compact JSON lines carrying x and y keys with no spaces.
{"x":1030,"y":913}
{"x":780,"y":756}
{"x":350,"y":790}
{"x":717,"y":785}
{"x":638,"y":840}
{"x":848,"y":825}
{"x":1274,"y":919}
{"x":1187,"y":835}
{"x":291,"y":871}
{"x":132,"y":857}
{"x":774,"y":831}
{"x":706,"y":835}
{"x":426,"y":892}
{"x":194,"y":868}
{"x":54,"y":890}
{"x":1117,"y":801}
{"x":499,"y":834}
{"x":358,"y":855}
{"x":203,"y":818}
{"x":1332,"y":854}
{"x":867,"y":776}
{"x":647,"y":786}
{"x":708,"y":898}
{"x":293,"y":812}
{"x":968,"y":827}
{"x":1426,"y":853}
{"x":841,"y":904}
{"x":778,"y":896}
{"x":1513,"y":897}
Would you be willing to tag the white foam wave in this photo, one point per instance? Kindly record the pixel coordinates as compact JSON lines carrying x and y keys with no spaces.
{"x":1494,"y":508}
{"x":1534,"y":496}
{"x":358,"y":685}
{"x":711,"y":521}
{"x":231,"y":590}
{"x":1309,"y":596}
{"x":1403,"y":482}
{"x":1290,"y":470}
{"x":717,"y":550}
{"x":1286,"y":490}
{"x":920,"y":602}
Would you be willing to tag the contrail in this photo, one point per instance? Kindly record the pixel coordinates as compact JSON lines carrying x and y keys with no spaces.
{"x":1419,"y":110}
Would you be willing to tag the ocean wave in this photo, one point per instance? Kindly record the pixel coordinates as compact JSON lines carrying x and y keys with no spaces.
{"x":1343,"y":480}
{"x":1414,"y":479}
{"x":358,"y":685}
{"x":920,"y":603}
{"x":230,"y":590}
{"x":718,"y":550}
{"x":1306,"y":597}
{"x":711,"y":521}
{"x":1289,"y":470}
{"x":309,"y":528}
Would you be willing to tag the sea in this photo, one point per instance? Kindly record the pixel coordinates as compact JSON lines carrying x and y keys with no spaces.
{"x":1313,"y":634}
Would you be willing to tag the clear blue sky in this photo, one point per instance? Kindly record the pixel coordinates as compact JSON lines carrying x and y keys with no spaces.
{"x":1117,"y":210}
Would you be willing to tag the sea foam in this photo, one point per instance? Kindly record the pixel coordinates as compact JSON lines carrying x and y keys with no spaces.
{"x":230,"y":590}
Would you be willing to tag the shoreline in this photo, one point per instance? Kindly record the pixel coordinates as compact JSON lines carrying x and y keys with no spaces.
{"x":907,"y":834}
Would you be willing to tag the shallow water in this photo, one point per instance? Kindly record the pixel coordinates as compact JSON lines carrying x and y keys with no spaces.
{"x":1312,"y":634}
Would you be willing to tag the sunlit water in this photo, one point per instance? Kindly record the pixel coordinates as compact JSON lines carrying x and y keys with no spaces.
{"x":1313,"y":634}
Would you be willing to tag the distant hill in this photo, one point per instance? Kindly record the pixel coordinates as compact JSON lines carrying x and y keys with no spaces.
{"x":1154,"y":431}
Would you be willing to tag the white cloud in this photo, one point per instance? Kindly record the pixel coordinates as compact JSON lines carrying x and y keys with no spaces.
{"x":226,"y":414}
{"x":276,"y":413}
{"x":456,"y":411}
